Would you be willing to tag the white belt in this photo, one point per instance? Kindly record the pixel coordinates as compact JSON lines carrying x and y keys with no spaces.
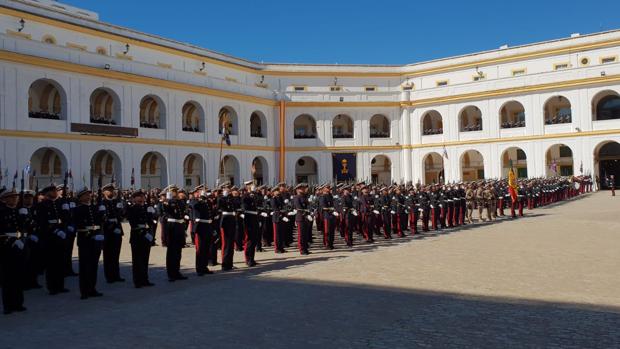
{"x":197,"y":220}
{"x":113,"y":220}
{"x":54,"y":221}
{"x":171,"y":220}
{"x":228,"y":213}
{"x":11,"y":235}
{"x":92,"y":227}
{"x":251,"y":212}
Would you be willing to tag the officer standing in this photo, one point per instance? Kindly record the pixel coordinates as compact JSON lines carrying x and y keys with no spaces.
{"x":326,"y":206}
{"x":228,"y":225}
{"x":175,"y":218}
{"x":304,"y":219}
{"x":203,"y":226}
{"x":280,"y":220}
{"x":89,"y":219}
{"x":249,"y":205}
{"x":140,"y":217}
{"x":113,"y":232}
{"x":11,"y":252}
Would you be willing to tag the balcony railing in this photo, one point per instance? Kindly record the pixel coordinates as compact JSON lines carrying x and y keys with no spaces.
{"x":148,"y":125}
{"x":43,"y":115}
{"x":256,"y":134}
{"x":343,"y":135}
{"x":432,"y":131}
{"x":513,"y":124}
{"x":470,"y":128}
{"x":379,"y":134}
{"x":190,"y":129}
{"x":102,"y":120}
{"x":559,"y":119}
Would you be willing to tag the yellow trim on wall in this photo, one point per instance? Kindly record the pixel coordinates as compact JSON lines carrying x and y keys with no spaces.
{"x":448,"y":67}
{"x":18,"y":34}
{"x":76,"y":46}
{"x":116,"y":75}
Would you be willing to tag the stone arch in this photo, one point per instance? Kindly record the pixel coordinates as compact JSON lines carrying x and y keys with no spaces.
{"x":260,"y":170}
{"x":153,"y":171}
{"x":470,"y":119}
{"x":606,"y":106}
{"x":193,"y":171}
{"x":306,"y":170}
{"x":47,"y":100}
{"x":152,"y":112}
{"x":304,"y":126}
{"x":512,"y":115}
{"x":107,"y":164}
{"x":557,"y":110}
{"x":607,"y":162}
{"x":559,"y":161}
{"x":379,"y":126}
{"x":227,"y":118}
{"x":472,"y":166}
{"x":229,"y":170}
{"x":342,"y":126}
{"x":258,"y":125}
{"x":105,"y":107}
{"x":192,"y":117}
{"x":432,"y":123}
{"x":381,"y":169}
{"x":434,"y":172}
{"x":47,"y":165}
{"x":516,"y":158}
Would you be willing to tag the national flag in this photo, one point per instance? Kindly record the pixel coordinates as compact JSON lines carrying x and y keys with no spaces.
{"x":225,"y":129}
{"x":445,"y":153}
{"x":512,"y":185}
{"x":27,"y":169}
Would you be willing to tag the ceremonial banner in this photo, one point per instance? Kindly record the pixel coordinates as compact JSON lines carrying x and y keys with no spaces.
{"x":344,"y":166}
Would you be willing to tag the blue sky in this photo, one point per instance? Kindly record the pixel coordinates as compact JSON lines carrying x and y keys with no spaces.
{"x":362,"y":31}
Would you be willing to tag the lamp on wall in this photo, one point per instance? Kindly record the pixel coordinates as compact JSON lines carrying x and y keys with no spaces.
{"x":262,"y":79}
{"x":107,"y":67}
{"x":203,"y":66}
{"x":127,"y":47}
{"x":22,"y":24}
{"x":335,"y":81}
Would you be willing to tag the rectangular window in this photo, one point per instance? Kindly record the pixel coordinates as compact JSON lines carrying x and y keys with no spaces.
{"x":370,"y":88}
{"x":607,"y":60}
{"x":442,"y":83}
{"x":565,"y":152}
{"x":335,"y":88}
{"x":521,"y":155}
{"x":560,"y":66}
{"x":518,"y":72}
{"x":299,"y":88}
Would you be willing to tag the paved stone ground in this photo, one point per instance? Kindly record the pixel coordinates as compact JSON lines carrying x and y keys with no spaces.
{"x":548,"y":280}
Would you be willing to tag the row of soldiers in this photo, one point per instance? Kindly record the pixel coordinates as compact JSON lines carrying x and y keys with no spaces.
{"x":38,"y":230}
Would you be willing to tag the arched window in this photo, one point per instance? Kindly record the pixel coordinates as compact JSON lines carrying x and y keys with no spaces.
{"x":47,"y":165}
{"x":432,"y":123}
{"x":304,"y":127}
{"x":257,"y":125}
{"x":342,"y":126}
{"x":227,"y":120}
{"x":559,"y":160}
{"x":104,"y":107}
{"x":558,"y":111}
{"x":472,"y":166}
{"x":152,"y":112}
{"x":606,"y":106}
{"x":192,"y":116}
{"x":512,"y":115}
{"x":470,"y":119}
{"x":379,"y":126}
{"x":46,"y":100}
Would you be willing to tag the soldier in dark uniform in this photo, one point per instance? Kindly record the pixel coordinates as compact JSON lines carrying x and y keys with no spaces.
{"x":424,"y":208}
{"x":49,"y":220}
{"x":266,"y":225}
{"x":250,"y":203}
{"x":175,"y":218}
{"x":414,"y":213}
{"x":279,"y":220}
{"x":383,"y":205}
{"x":228,"y":225}
{"x":67,"y":205}
{"x":239,"y":219}
{"x":349,"y":215}
{"x":399,"y":207}
{"x":303,"y":218}
{"x":34,"y":251}
{"x":369,"y":215}
{"x":89,"y":219}
{"x":113,"y":232}
{"x":204,"y":226}
{"x":12,"y":258}
{"x":140,"y":217}
{"x":326,"y":206}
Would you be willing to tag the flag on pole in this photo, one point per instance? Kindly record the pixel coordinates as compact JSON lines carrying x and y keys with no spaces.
{"x":445,"y":152}
{"x":225,"y":128}
{"x":581,"y":167}
{"x":512,"y":185}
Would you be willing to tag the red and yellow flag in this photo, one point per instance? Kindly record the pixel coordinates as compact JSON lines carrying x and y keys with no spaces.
{"x":512,"y":185}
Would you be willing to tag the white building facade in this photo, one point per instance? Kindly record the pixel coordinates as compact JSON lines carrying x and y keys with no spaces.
{"x":99,"y":100}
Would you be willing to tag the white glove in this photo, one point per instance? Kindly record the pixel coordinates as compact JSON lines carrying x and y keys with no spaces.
{"x":119,"y":205}
{"x":242,"y":215}
{"x":23,"y":211}
{"x":101,"y":208}
{"x":65,"y":207}
{"x":375,"y":211}
{"x":117,"y":231}
{"x":72,"y":204}
{"x":34,"y":238}
{"x":71,"y":229}
{"x":336,"y":214}
{"x":98,"y":237}
{"x":264,"y":214}
{"x":354,"y":213}
{"x":286,"y":201}
{"x":186,"y":217}
{"x":150,"y":209}
{"x":336,"y":196}
{"x":19,"y":244}
{"x":284,"y":219}
{"x":309,"y":218}
{"x":149,"y":237}
{"x":61,"y":234}
{"x":292,"y":213}
{"x":392,"y":212}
